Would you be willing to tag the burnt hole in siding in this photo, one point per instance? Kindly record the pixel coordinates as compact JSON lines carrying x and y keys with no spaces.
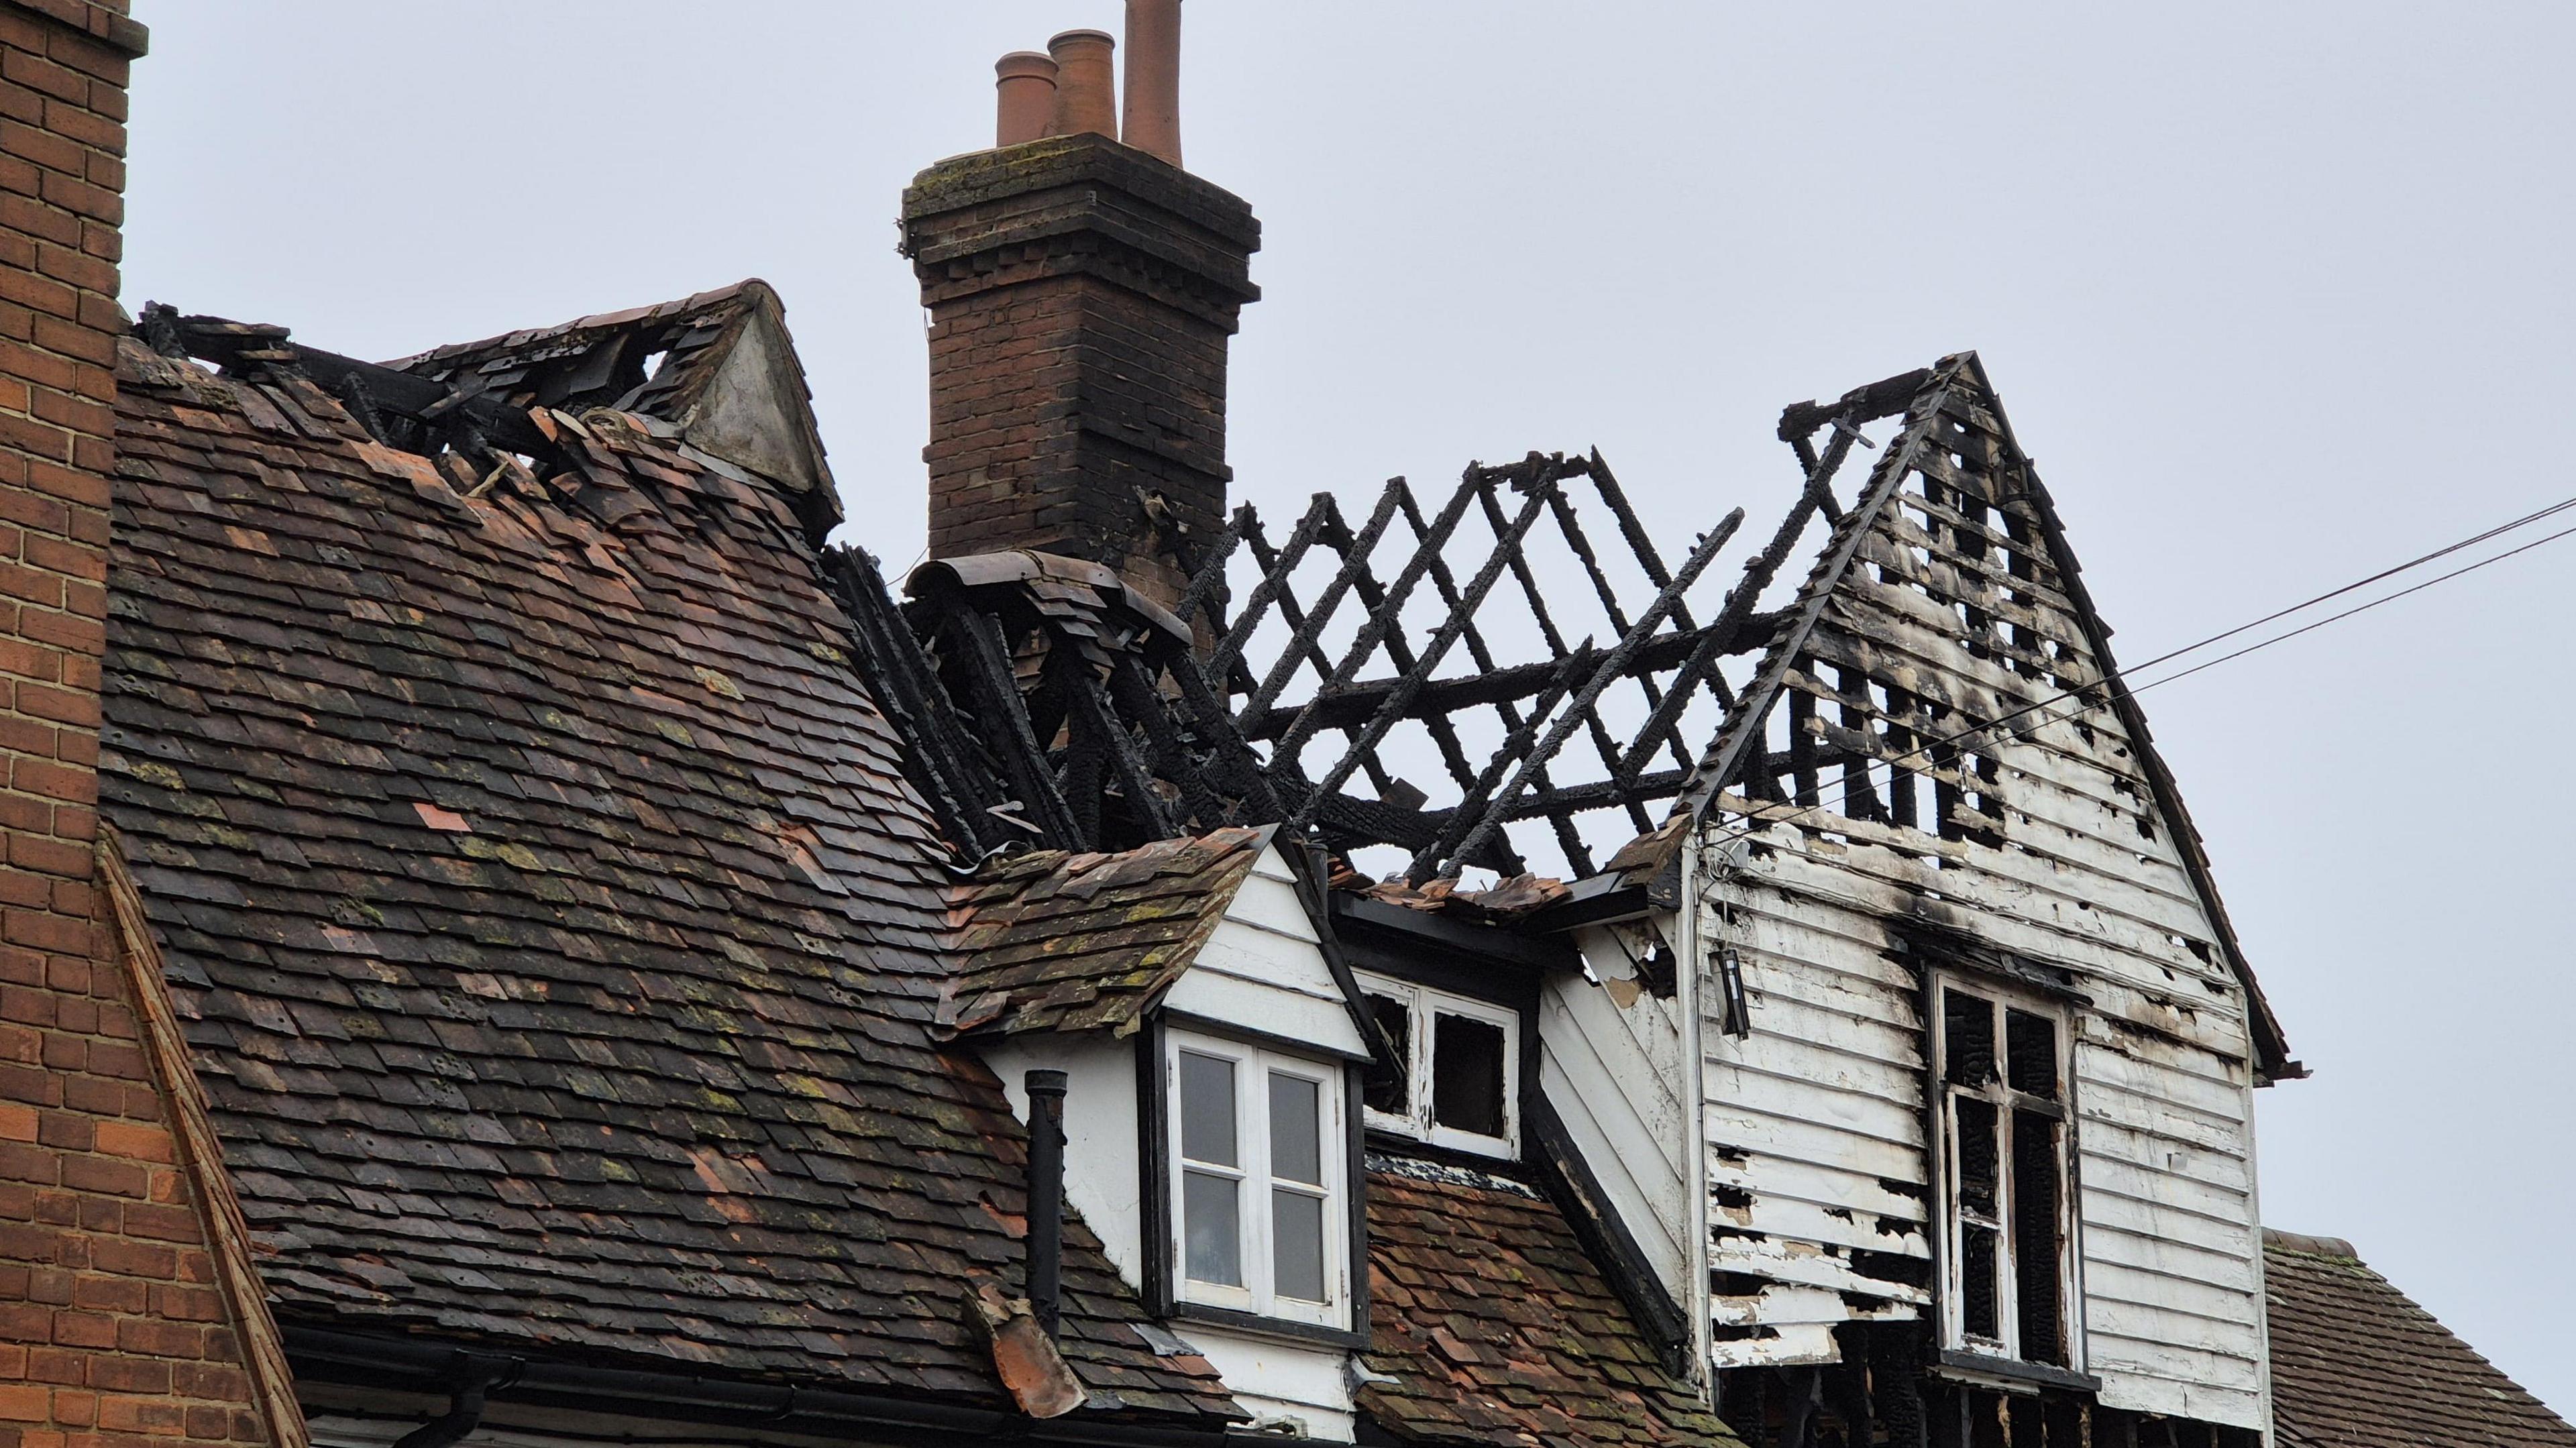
{"x":1893,"y":1267}
{"x":1732,"y":1199}
{"x":1741,"y":1332}
{"x":1895,"y":1188}
{"x":1738,"y":1284}
{"x":1894,"y":1227}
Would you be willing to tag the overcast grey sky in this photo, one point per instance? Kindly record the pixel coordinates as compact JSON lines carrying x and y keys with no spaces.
{"x":2277,"y":294}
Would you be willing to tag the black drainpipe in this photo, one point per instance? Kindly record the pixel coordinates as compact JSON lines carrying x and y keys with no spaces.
{"x":474,"y":1376}
{"x":1046,"y":1198}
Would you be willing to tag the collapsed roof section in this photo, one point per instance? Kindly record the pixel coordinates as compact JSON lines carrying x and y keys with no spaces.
{"x":1442,"y":643}
{"x":1519,"y":679}
{"x":716,"y":372}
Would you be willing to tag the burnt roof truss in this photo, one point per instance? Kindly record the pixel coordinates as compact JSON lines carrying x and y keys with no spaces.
{"x":1509,"y":676}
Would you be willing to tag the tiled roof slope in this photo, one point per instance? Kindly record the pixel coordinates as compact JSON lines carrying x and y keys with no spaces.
{"x":1052,"y":941}
{"x":1496,"y":1327}
{"x":2356,"y":1364}
{"x":555,"y":939}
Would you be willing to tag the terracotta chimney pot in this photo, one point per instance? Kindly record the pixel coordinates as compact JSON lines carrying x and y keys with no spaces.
{"x":1024,"y":99}
{"x":1154,"y":78}
{"x":1086,"y":88}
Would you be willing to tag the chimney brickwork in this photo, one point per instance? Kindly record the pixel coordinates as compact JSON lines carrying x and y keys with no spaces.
{"x":1081,"y":296}
{"x":116,"y":1325}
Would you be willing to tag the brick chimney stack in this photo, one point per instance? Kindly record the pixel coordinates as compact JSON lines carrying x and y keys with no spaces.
{"x":1081,"y":292}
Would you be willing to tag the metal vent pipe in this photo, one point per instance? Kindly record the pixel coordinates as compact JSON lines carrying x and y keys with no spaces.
{"x":1046,"y":1196}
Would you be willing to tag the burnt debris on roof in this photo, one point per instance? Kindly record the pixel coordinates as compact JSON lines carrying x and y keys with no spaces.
{"x":544,"y":898}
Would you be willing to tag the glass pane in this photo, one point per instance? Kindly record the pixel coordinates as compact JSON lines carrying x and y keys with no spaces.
{"x":1297,"y":1239}
{"x":1967,"y":1038}
{"x":1211,"y":1229}
{"x":1296,"y":1129}
{"x":1977,"y":1164}
{"x":1390,"y":1089}
{"x":1467,"y":1075}
{"x":1207,"y":1109}
{"x":2030,"y":1048}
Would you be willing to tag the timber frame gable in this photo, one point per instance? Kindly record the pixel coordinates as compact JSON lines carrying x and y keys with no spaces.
{"x":1956,"y":435}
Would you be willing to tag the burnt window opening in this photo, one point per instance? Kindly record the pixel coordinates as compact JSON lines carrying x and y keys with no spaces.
{"x":1467,"y":1086}
{"x":1390,"y":1082}
{"x":1459,"y":1068}
{"x":2000,"y":1072}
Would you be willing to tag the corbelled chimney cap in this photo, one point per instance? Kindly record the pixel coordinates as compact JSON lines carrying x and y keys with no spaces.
{"x":1063,"y":37}
{"x":1025,"y":62}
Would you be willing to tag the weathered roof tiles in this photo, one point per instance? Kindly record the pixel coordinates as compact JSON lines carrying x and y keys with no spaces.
{"x":555,"y":932}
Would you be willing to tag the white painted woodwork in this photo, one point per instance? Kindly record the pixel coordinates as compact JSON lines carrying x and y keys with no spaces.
{"x":1263,"y":970}
{"x":1281,"y":1384}
{"x":1614,"y":1076}
{"x":1815,"y":1123}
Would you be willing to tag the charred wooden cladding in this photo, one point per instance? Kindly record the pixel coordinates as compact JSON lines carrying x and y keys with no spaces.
{"x":1081,"y":297}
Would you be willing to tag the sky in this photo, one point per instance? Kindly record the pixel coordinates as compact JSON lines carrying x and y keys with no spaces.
{"x":2277,"y":295}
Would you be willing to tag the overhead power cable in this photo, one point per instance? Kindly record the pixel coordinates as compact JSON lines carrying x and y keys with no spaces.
{"x":2105,"y":684}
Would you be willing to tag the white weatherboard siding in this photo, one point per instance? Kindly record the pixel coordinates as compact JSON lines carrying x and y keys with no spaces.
{"x":1818,"y":1172}
{"x":1614,"y":1077}
{"x":1815,"y":1121}
{"x":1275,"y":1380}
{"x":1263,"y":969}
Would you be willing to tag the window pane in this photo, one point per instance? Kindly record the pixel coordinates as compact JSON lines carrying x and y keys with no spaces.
{"x":1391,"y":1089}
{"x":1967,"y":1038}
{"x":1207,"y":1109}
{"x":2030,"y":1045}
{"x":1977,"y":1165}
{"x":1467,"y":1075}
{"x":1296,"y":1129}
{"x":1297,"y":1237}
{"x":1211,"y":1229}
{"x":2035,"y":1229}
{"x":1977,"y":1285}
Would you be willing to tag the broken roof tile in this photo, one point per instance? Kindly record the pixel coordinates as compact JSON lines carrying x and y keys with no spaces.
{"x":546,"y":995}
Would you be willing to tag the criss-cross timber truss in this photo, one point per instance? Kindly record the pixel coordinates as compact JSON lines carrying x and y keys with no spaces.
{"x":1310,"y":678}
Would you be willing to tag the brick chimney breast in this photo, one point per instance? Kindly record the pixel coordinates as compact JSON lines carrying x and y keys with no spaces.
{"x":1080,"y":293}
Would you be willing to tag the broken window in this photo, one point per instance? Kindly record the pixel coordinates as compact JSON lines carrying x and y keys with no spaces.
{"x":1454,"y":1080}
{"x":1999,"y":1071}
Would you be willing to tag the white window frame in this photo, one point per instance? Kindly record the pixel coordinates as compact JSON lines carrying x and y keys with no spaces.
{"x":1953,"y":1221}
{"x":1421,"y":1003}
{"x":1254,"y":1066}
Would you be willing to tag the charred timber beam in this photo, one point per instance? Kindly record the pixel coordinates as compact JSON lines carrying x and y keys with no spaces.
{"x":248,"y":345}
{"x":1609,"y":669}
{"x":1460,"y":620}
{"x":1858,"y":407}
{"x":1352,"y":703}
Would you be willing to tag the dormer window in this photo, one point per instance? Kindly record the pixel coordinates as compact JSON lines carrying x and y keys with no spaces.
{"x":1259,"y":1181}
{"x":1456,"y":1077}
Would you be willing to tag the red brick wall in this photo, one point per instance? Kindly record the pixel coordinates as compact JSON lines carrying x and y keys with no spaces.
{"x":1082,"y":296}
{"x":114,"y":1325}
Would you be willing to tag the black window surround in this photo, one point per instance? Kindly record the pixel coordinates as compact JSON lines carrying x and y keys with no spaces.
{"x":1159,"y":1132}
